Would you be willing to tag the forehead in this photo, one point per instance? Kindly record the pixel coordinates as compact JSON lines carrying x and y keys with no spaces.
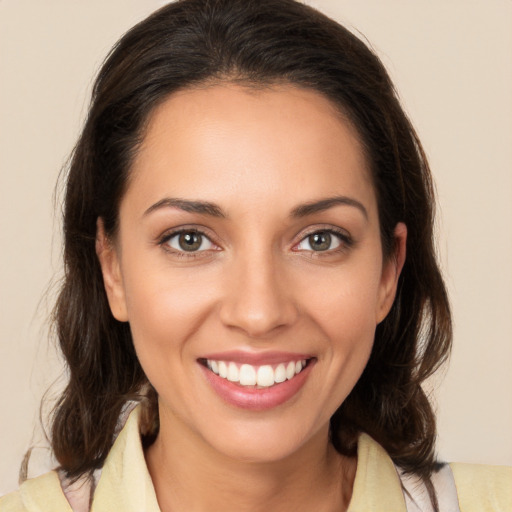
{"x":225,"y":142}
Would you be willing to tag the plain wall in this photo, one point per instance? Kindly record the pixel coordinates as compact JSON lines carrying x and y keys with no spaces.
{"x":452,"y":64}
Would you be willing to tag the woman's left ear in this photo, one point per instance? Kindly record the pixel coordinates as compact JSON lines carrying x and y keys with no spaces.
{"x":391,"y":272}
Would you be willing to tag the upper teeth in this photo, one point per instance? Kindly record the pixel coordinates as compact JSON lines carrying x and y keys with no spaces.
{"x":249,"y":375}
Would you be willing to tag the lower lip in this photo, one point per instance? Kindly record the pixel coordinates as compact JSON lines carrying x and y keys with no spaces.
{"x":257,"y":399}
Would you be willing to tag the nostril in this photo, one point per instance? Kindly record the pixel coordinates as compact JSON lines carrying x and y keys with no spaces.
{"x":258,"y":319}
{"x":257,"y":299}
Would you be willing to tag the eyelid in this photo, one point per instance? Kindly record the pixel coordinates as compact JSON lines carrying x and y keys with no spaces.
{"x":343,"y":235}
{"x":167,"y":235}
{"x":176,"y":237}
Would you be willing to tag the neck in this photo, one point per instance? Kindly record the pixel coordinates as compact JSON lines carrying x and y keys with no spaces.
{"x":188,"y":475}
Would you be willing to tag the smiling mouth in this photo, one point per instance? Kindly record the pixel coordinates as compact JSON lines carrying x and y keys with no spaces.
{"x":253,"y":376}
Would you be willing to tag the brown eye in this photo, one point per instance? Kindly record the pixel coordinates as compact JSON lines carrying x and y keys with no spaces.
{"x":320,"y":241}
{"x":189,"y":241}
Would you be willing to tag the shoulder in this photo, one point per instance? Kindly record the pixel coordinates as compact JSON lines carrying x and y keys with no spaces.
{"x":483,"y":488}
{"x":35,"y":492}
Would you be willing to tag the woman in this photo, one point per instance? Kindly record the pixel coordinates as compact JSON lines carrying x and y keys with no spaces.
{"x":248,"y":250}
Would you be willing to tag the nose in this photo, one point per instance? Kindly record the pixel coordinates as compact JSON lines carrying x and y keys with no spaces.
{"x":257,"y":299}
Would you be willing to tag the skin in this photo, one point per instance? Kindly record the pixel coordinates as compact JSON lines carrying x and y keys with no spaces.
{"x":256,"y":285}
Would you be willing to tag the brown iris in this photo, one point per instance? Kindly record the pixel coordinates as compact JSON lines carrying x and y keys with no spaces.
{"x":320,"y":241}
{"x":190,"y":241}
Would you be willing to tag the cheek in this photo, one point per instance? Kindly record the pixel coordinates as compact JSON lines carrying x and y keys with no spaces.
{"x":165,"y":308}
{"x":343,"y":301}
{"x":351,"y":333}
{"x":343,"y":306}
{"x":165,"y":312}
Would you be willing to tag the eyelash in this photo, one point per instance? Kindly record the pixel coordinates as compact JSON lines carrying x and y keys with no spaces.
{"x":164,"y":240}
{"x":346,"y":242}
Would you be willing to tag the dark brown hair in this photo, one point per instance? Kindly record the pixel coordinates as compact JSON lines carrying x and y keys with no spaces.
{"x":255,"y":42}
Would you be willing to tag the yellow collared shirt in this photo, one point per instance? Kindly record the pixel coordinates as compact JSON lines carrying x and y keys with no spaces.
{"x":125,"y":484}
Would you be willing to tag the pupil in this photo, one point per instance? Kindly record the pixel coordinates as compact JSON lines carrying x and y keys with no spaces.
{"x":320,"y":241}
{"x":190,"y":241}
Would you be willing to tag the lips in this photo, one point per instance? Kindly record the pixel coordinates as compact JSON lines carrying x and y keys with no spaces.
{"x":256,"y":382}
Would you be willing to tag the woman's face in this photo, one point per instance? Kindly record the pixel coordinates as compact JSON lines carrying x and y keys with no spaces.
{"x":249,"y":265}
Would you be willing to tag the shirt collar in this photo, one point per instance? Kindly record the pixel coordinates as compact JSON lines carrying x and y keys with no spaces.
{"x":377,"y":485}
{"x":125,"y":483}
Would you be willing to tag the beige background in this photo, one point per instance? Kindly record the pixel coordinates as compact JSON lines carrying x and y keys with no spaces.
{"x":452,"y":63}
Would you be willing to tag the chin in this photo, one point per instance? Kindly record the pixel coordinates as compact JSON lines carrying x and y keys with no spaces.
{"x":265,"y":440}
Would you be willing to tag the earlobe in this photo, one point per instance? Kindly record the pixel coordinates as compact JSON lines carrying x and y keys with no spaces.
{"x":391,"y":272}
{"x":111,"y":270}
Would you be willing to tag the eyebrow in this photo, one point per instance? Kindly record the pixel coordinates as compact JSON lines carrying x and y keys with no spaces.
{"x":201,"y":207}
{"x":302,"y":210}
{"x":306,"y":209}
